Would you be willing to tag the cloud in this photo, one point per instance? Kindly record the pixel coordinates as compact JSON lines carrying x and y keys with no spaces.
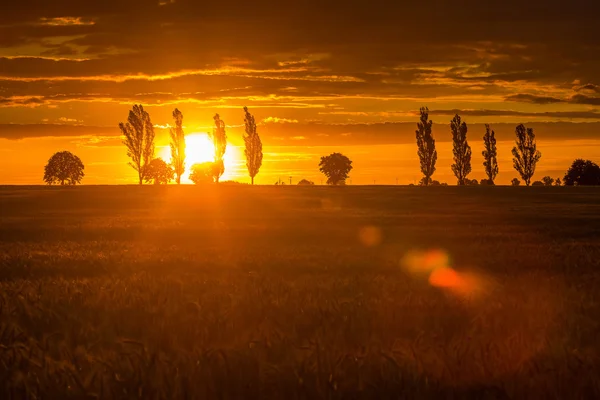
{"x":575,"y":99}
{"x":275,"y":120}
{"x":530,"y":98}
{"x":65,"y":21}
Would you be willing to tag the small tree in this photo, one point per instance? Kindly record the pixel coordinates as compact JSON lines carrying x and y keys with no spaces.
{"x":139,"y":139}
{"x":490,"y":161}
{"x":219,"y":138}
{"x":582,"y":173}
{"x":525,"y":153}
{"x":203,"y":173}
{"x":159,"y":172}
{"x":515,"y":182}
{"x":461,"y":150}
{"x":253,"y":151}
{"x":557,"y":182}
{"x":305,"y":182}
{"x":538,"y":183}
{"x":336,"y":167}
{"x":178,"y":145}
{"x":547,"y":181}
{"x":65,"y":168}
{"x":426,"y":146}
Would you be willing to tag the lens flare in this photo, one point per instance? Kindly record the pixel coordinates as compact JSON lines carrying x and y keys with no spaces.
{"x":370,"y":236}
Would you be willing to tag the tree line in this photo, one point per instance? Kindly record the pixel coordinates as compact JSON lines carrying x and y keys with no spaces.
{"x":138,"y":132}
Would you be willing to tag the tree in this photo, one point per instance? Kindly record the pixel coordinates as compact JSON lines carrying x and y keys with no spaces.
{"x":159,"y":172}
{"x":139,"y":139}
{"x":426,"y":146}
{"x":486,"y":182}
{"x":461,"y":150}
{"x":253,"y":151}
{"x":219,"y":138}
{"x":547,"y":181}
{"x":178,"y":145}
{"x":538,"y":183}
{"x":336,"y":167}
{"x":525,"y":153}
{"x":202,"y":173}
{"x":557,"y":182}
{"x":306,"y":182}
{"x":582,"y":173}
{"x":65,"y":168}
{"x":490,"y":161}
{"x":515,"y":182}
{"x":471,"y":182}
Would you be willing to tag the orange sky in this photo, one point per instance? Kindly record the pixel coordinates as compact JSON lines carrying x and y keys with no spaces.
{"x":319,"y":78}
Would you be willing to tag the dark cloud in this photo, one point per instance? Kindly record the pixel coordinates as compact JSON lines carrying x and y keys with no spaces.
{"x":595,"y":115}
{"x":530,"y":98}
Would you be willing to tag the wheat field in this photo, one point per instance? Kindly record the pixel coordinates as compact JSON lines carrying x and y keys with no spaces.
{"x":232,"y":292}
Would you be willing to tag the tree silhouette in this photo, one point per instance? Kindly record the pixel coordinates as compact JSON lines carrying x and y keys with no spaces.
{"x":219,"y":138}
{"x":538,"y":183}
{"x":461,"y":150}
{"x":159,"y":172}
{"x":305,"y":182}
{"x":65,"y":168}
{"x":336,"y":167}
{"x":515,"y":182}
{"x":557,"y":182}
{"x":426,"y":146}
{"x":178,"y":145}
{"x":253,"y":151}
{"x":582,"y":173}
{"x":203,"y":173}
{"x":525,"y":153}
{"x":547,"y":181}
{"x":490,"y":161}
{"x":139,"y":139}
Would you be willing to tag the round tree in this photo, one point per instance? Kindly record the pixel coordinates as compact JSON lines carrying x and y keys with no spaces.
{"x":582,"y":173}
{"x":336,"y":167}
{"x":202,"y":173}
{"x":65,"y":168}
{"x":159,"y":172}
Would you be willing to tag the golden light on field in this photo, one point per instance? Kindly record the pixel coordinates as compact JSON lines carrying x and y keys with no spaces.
{"x":199,"y":148}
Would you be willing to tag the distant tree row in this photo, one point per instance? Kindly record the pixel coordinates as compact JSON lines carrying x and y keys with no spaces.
{"x":138,"y":134}
{"x":67,"y":169}
{"x":525,"y":153}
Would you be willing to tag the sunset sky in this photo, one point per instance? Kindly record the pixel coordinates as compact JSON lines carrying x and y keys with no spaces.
{"x":319,"y":77}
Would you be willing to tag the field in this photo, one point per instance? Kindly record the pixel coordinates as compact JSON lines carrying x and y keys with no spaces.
{"x":299,"y":292}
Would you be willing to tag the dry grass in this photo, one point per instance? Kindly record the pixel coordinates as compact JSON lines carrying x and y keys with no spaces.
{"x":297,"y":292}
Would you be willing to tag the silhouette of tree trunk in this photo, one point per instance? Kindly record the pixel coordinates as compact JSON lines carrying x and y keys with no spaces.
{"x":253,"y":151}
{"x":219,"y":138}
{"x":426,"y":146}
{"x":139,"y":139}
{"x":525,"y":153}
{"x":490,"y":161}
{"x":178,"y":146}
{"x":461,"y":150}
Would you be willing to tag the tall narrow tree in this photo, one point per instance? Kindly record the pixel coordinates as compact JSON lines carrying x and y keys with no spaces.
{"x":139,"y":139}
{"x":461,"y":150}
{"x":253,"y":151}
{"x":219,"y":138}
{"x":525,"y":153}
{"x":426,"y":146}
{"x":490,"y":161}
{"x":178,"y":146}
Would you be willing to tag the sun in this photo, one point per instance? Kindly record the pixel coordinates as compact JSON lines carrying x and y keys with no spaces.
{"x":198,"y":149}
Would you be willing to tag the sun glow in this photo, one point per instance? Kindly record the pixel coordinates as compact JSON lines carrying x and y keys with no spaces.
{"x":199,"y":148}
